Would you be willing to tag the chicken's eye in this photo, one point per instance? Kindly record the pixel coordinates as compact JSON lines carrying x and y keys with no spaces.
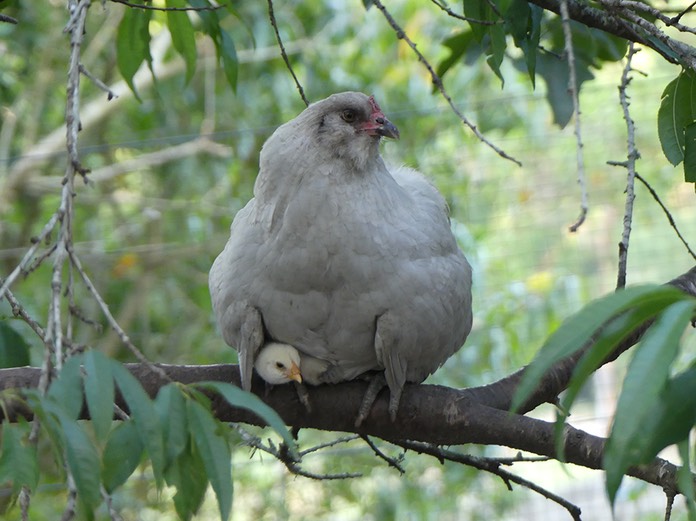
{"x":348,"y":115}
{"x":280,"y":365}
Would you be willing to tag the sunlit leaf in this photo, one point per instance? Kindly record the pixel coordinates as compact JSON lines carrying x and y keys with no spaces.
{"x":144,"y":415}
{"x":645,"y":380}
{"x":99,"y":392}
{"x":14,"y":350}
{"x":215,"y":452}
{"x":685,"y":478}
{"x":245,"y":400}
{"x":122,"y":454}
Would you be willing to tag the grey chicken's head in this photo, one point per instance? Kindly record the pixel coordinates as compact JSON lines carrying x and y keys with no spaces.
{"x":346,"y":126}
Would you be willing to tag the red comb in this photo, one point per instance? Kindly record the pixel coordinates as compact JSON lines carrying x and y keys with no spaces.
{"x":375,"y":107}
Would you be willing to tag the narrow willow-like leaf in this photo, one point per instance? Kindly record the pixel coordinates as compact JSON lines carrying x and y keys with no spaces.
{"x":245,"y":400}
{"x":577,"y":330}
{"x":145,"y":416}
{"x":133,"y":44}
{"x":645,"y":380}
{"x":673,"y":416}
{"x":187,"y":474}
{"x":99,"y":392}
{"x":171,"y":407}
{"x":83,"y":460}
{"x":183,"y":39}
{"x":66,"y":389}
{"x":228,"y":55}
{"x":215,"y":453}
{"x":18,"y":461}
{"x":122,"y":453}
{"x":612,"y":334}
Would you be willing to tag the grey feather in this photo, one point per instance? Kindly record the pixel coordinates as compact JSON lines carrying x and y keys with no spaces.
{"x":350,"y":262}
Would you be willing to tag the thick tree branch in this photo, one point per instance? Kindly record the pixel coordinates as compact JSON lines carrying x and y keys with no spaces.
{"x":427,"y":413}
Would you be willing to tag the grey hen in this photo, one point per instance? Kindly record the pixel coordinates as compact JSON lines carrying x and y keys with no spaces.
{"x":348,"y":261}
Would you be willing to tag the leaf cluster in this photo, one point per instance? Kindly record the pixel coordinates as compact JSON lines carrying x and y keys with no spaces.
{"x":657,"y":404}
{"x":176,"y":433}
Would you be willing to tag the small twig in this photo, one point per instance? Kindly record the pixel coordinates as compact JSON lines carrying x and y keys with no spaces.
{"x":24,"y":502}
{"x":155,"y":8}
{"x":71,"y":504}
{"x":437,"y":81}
{"x":671,"y":494}
{"x":19,"y":312}
{"x":677,"y":18}
{"x":8,"y":19}
{"x":573,"y":89}
{"x":100,"y":84}
{"x":490,"y":466}
{"x":392,"y":462}
{"x":632,"y":156}
{"x":21,"y":267}
{"x":328,"y":444}
{"x":635,"y":5}
{"x":113,"y":514}
{"x":464,"y":18}
{"x":271,"y":16}
{"x":667,"y":214}
{"x":290,"y":464}
{"x":112,"y":321}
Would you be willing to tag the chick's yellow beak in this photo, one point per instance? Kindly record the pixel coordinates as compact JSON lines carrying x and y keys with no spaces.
{"x":294,"y":373}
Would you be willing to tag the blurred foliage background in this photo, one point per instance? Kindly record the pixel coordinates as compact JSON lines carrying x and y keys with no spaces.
{"x":148,"y":232}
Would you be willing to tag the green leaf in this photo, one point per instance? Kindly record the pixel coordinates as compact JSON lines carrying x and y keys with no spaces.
{"x":183,"y":39}
{"x":224,"y":45}
{"x":237,"y":397}
{"x":611,"y":335}
{"x":645,"y":380}
{"x":14,"y":350}
{"x":133,"y":44}
{"x":673,"y":416}
{"x":122,"y":453}
{"x":212,"y":446}
{"x":690,"y":153}
{"x":498,"y":44}
{"x":18,"y":461}
{"x":677,"y":111}
{"x":462,"y":46}
{"x":188,"y":475}
{"x":144,"y":415}
{"x":479,"y":10}
{"x":577,"y":330}
{"x":66,"y":390}
{"x":99,"y":392}
{"x":83,"y":461}
{"x":171,"y":407}
{"x":228,"y":55}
